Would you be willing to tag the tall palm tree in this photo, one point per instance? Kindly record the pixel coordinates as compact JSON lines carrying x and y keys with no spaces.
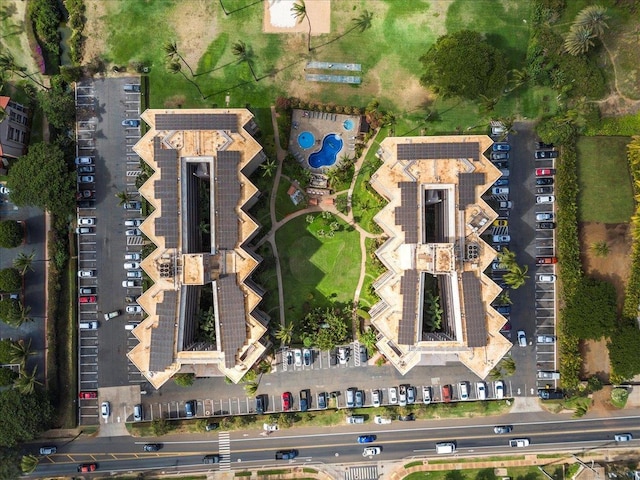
{"x":20,"y":352}
{"x":124,"y":197}
{"x":8,"y":64}
{"x":244,"y":54}
{"x":171,"y":49}
{"x":299,"y":10}
{"x":516,"y":277}
{"x":176,"y":67}
{"x":28,"y":463}
{"x":593,"y":17}
{"x":26,"y":383}
{"x":268,"y":168}
{"x":23,"y":262}
{"x":24,"y":315}
{"x":519,"y":78}
{"x":579,"y":40}
{"x":285,"y":333}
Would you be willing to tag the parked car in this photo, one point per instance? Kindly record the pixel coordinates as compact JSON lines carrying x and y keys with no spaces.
{"x":380,"y":420}
{"x":87,"y":395}
{"x":130,"y":122}
{"x":501,"y":164}
{"x":87,"y":299}
{"x":545,"y":199}
{"x":426,"y":395}
{"x":105,"y":410}
{"x":544,"y":216}
{"x":297,"y":355}
{"x":548,"y":339}
{"x":133,"y":256}
{"x":446,"y":393}
{"x":132,"y":205}
{"x":84,"y":160}
{"x":499,"y":156}
{"x":86,"y":179}
{"x":411,"y":394}
{"x":506,"y":327}
{"x":260,"y":403}
{"x":343,"y":355}
{"x":131,"y":266}
{"x":500,"y":190}
{"x":544,"y":181}
{"x":304,"y":400}
{"x":134,"y":273}
{"x":85,"y":203}
{"x":544,"y":146}
{"x":86,"y":221}
{"x":402,"y":395}
{"x":364,"y":356}
{"x":366,"y":438}
{"x":210,"y":427}
{"x":481,"y":391}
{"x":546,"y":225}
{"x":498,"y":387}
{"x":376,"y":398}
{"x":546,"y":260}
{"x":306,"y":356}
{"x":501,"y":238}
{"x":463,"y":389}
{"x":545,"y":172}
{"x":503,"y":309}
{"x":410,"y":417}
{"x":500,"y":222}
{"x":542,"y":190}
{"x":546,"y":278}
{"x":544,"y":154}
{"x":548,"y":375}
{"x":133,"y":309}
{"x":135,"y":222}
{"x":85,"y":169}
{"x":190,"y":408}
{"x":86,"y":273}
{"x":500,"y":429}
{"x":133,"y":232}
{"x":501,"y":147}
{"x":85,"y":194}
{"x":84,"y":230}
{"x":286,"y":401}
{"x":132,"y":87}
{"x":550,"y":394}
{"x":497,"y":266}
{"x":393,"y":395}
{"x":88,"y":290}
{"x":322,"y":400}
{"x":131,"y":283}
{"x":505,"y":204}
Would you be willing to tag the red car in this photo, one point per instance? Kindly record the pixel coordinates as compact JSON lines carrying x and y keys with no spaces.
{"x":545,"y":172}
{"x":446,"y":393}
{"x":546,"y":260}
{"x":88,"y":299}
{"x":87,"y":467}
{"x":506,"y":327}
{"x":286,"y":401}
{"x":88,"y":395}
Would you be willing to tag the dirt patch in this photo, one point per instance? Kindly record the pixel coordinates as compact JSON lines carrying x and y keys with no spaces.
{"x":195,"y":29}
{"x":615,"y":105}
{"x":595,"y":359}
{"x":95,"y":32}
{"x":14,"y":39}
{"x":318,"y":12}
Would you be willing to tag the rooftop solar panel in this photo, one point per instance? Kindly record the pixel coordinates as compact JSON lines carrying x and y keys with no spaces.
{"x":474,"y":310}
{"x":406,"y":215}
{"x":409,"y":285}
{"x":232,"y":318}
{"x":435,"y":151}
{"x":467,"y":188}
{"x":227,"y":196}
{"x":197,"y":121}
{"x":162,"y":336}
{"x":166,"y":191}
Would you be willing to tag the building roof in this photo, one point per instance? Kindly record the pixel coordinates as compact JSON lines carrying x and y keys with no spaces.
{"x":4,"y":101}
{"x":189,"y":151}
{"x":433,"y":219}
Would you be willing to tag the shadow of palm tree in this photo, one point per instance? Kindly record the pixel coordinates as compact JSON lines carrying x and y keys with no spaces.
{"x":213,"y":69}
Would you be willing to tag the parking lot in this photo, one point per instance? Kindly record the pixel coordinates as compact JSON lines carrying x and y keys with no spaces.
{"x":107,"y":165}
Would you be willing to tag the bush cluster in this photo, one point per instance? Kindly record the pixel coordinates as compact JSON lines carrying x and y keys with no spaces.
{"x":76,"y":9}
{"x":45,"y":17}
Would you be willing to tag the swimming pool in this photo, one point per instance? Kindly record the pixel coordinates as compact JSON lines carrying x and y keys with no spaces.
{"x":328,"y":154}
{"x":348,"y":124}
{"x":306,"y":140}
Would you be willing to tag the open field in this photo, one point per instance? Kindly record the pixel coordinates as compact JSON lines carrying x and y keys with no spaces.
{"x":606,"y":194}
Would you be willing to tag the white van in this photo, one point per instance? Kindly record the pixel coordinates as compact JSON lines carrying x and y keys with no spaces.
{"x":88,"y":325}
{"x":444,"y":448}
{"x":355,"y":419}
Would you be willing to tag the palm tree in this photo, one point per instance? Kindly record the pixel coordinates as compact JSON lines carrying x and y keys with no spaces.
{"x":175,"y":67}
{"x":23,"y":262}
{"x":24,"y":315}
{"x":507,"y":257}
{"x":488,"y":104}
{"x":8,"y":64}
{"x":600,"y":249}
{"x":28,"y":463}
{"x":124,"y":197}
{"x":26,"y":383}
{"x":519,"y":78}
{"x":268,"y":168}
{"x":516,"y":277}
{"x":251,"y":388}
{"x":363,"y":22}
{"x":593,"y":17}
{"x":244,"y":54}
{"x":299,"y":10}
{"x":285,"y":333}
{"x":171,"y":49}
{"x":579,"y":40}
{"x":20,"y":352}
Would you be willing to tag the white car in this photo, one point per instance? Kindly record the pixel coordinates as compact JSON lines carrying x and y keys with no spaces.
{"x":623,"y":437}
{"x":84,"y":230}
{"x":393,"y":396}
{"x":519,"y":442}
{"x":134,"y":273}
{"x":426,"y":395}
{"x":464,"y":390}
{"x":105,"y":410}
{"x":375,"y":398}
{"x":500,"y":190}
{"x":86,"y":273}
{"x":402,"y":394}
{"x":133,"y":309}
{"x":134,"y":232}
{"x":368,"y":451}
{"x":380,"y":420}
{"x":498,"y":386}
{"x":133,"y":256}
{"x":546,"y":339}
{"x":130,"y":283}
{"x":84,"y":160}
{"x":86,"y":221}
{"x":86,"y":179}
{"x":343,"y":357}
{"x":545,"y":199}
{"x":297,"y":355}
{"x":544,"y":217}
{"x":136,"y":222}
{"x":522,"y":338}
{"x":131,"y":266}
{"x":546,"y":278}
{"x":481,"y":391}
{"x":4,"y":190}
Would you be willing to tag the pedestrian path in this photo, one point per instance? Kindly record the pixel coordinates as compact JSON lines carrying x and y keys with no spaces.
{"x":224,"y":450}
{"x":361,"y":473}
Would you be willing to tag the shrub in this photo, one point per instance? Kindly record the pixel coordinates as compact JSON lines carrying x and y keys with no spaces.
{"x":624,"y":346}
{"x":619,"y":397}
{"x":160,"y":427}
{"x":45,"y":16}
{"x":184,"y":379}
{"x":10,"y":280}
{"x":11,"y":234}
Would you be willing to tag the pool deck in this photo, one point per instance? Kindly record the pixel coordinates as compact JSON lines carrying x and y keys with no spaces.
{"x":321,"y":124}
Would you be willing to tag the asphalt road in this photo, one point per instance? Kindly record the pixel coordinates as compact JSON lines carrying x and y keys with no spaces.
{"x":339,"y":444}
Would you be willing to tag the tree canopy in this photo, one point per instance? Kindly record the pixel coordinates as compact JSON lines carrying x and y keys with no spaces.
{"x":328,"y":327}
{"x":10,"y":280}
{"x":623,"y":352}
{"x":11,"y":234}
{"x":42,"y":178}
{"x":591,"y":313}
{"x":463,"y":64}
{"x":58,"y":104}
{"x":10,"y":312}
{"x":23,"y":416}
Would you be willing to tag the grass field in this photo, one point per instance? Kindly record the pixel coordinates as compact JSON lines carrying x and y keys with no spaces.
{"x":284,"y":205}
{"x":519,"y":473}
{"x":373,"y":270}
{"x":317,"y":270}
{"x":606,"y":194}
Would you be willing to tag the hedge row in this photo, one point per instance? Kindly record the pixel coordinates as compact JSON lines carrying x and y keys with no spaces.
{"x":76,"y":9}
{"x":632,"y":293}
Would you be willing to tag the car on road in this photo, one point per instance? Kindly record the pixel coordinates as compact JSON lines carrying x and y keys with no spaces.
{"x":371,"y":451}
{"x":501,"y":147}
{"x":546,"y":278}
{"x":190,"y":408}
{"x":322,"y":400}
{"x":133,"y":309}
{"x":446,"y":393}
{"x":500,"y":190}
{"x":84,"y":160}
{"x":380,"y":420}
{"x":86,"y":273}
{"x":501,"y":238}
{"x":522,"y":338}
{"x":86,"y":221}
{"x":87,"y":299}
{"x":500,"y":429}
{"x":545,"y":199}
{"x":544,"y":146}
{"x":48,"y":450}
{"x":623,"y":437}
{"x":544,"y":181}
{"x":545,"y":172}
{"x":84,"y":169}
{"x":286,"y":454}
{"x":546,"y":260}
{"x":519,"y":442}
{"x":133,"y":232}
{"x":286,"y":401}
{"x":306,"y":356}
{"x":152,"y":447}
{"x":297,"y":355}
{"x":366,"y":438}
{"x":130,"y":122}
{"x":87,"y":467}
{"x":546,"y":339}
{"x":500,"y":222}
{"x":105,"y":409}
{"x":498,"y":387}
{"x":211,"y":459}
{"x":544,"y":154}
{"x":543,"y":190}
{"x":376,"y":396}
{"x":426,"y":395}
{"x":545,"y":225}
{"x":393,"y":395}
{"x":86,"y":179}
{"x":402,"y":395}
{"x":133,"y":256}
{"x":88,"y":395}
{"x":544,"y":216}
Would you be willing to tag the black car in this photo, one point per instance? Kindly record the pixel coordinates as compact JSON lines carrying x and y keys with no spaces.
{"x":260,"y":404}
{"x":546,"y":225}
{"x":211,"y":459}
{"x":544,"y":146}
{"x":322,"y":400}
{"x":543,"y":190}
{"x":542,"y":154}
{"x":407,"y":418}
{"x":500,"y":429}
{"x":549,"y":394}
{"x":190,"y":408}
{"x":84,"y":169}
{"x":544,"y":181}
{"x":304,"y":400}
{"x":152,"y":447}
{"x":289,"y":357}
{"x":211,"y":426}
{"x":501,"y":164}
{"x":364,"y":357}
{"x":85,"y":204}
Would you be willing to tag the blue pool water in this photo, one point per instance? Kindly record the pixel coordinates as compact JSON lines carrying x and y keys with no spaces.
{"x":306,"y":140}
{"x":348,"y":124}
{"x":328,"y":154}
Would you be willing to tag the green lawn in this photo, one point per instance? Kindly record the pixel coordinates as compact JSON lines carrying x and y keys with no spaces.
{"x":606,"y":194}
{"x":518,"y":473}
{"x":373,"y":271}
{"x":284,"y":205}
{"x":365,"y":201}
{"x":317,"y":270}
